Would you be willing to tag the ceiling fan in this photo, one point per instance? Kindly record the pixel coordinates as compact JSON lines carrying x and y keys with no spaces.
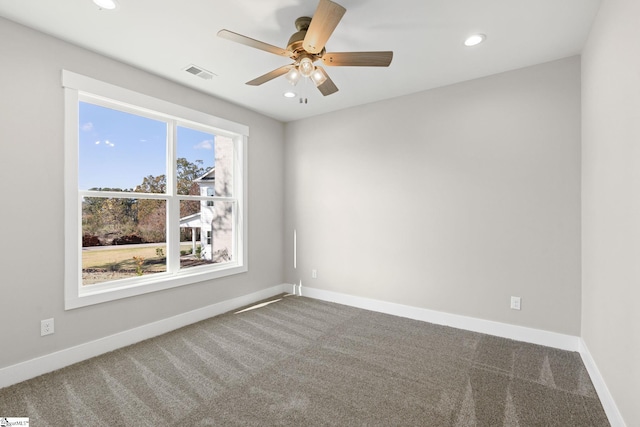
{"x":307,"y":46}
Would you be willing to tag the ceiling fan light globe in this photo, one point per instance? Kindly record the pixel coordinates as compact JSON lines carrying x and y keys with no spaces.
{"x":306,"y":67}
{"x":318,"y":77}
{"x":293,"y":76}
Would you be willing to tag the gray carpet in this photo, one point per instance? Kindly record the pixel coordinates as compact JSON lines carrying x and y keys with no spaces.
{"x":303,"y":362}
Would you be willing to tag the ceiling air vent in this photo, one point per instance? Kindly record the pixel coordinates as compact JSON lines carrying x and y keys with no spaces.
{"x":200,"y":72}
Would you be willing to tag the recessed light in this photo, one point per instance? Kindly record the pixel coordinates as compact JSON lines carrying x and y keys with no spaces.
{"x":289,"y":94}
{"x":474,"y":40}
{"x":106,"y":4}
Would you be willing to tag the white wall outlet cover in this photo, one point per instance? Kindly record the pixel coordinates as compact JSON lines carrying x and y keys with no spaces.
{"x":46,"y":327}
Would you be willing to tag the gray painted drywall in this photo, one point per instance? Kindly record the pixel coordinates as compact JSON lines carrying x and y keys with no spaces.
{"x":31,"y":151}
{"x":452,"y":199}
{"x":611,"y":201}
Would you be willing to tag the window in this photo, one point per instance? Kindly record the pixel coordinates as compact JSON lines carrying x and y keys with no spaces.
{"x":155,"y":194}
{"x":210,"y":192}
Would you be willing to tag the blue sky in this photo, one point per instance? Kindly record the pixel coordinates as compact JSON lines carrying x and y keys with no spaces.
{"x":117,"y":149}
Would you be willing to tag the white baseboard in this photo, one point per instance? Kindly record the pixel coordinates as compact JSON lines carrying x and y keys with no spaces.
{"x":31,"y":368}
{"x":609,"y":405}
{"x":41,"y":365}
{"x":519,"y":333}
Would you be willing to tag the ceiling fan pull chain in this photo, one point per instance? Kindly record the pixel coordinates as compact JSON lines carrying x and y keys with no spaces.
{"x":303,"y":92}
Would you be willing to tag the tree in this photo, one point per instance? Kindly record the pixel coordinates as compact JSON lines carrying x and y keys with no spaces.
{"x":152,"y":184}
{"x":111,"y":218}
{"x":152,"y":213}
{"x":152,"y":220}
{"x":107,"y":218}
{"x":187,"y":174}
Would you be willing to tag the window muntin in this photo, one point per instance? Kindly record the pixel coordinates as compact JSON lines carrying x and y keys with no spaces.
{"x":197,"y":150}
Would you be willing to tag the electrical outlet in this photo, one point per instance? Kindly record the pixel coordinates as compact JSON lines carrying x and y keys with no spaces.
{"x":314,"y":274}
{"x":515,"y":303}
{"x":46,"y":327}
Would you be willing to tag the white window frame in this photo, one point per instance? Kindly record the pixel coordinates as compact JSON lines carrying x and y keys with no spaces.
{"x":77,"y":88}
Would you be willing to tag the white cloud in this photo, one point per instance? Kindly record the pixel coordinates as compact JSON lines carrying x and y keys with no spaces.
{"x":207,"y":144}
{"x":87,"y":127}
{"x":106,"y":142}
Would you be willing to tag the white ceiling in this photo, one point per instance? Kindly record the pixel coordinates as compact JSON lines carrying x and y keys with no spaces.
{"x":164,"y":37}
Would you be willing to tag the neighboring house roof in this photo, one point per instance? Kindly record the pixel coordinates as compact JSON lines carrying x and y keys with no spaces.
{"x":191,"y":221}
{"x":208,"y":176}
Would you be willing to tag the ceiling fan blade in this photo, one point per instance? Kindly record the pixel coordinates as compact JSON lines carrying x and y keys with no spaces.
{"x":358,"y":59}
{"x":324,"y":21}
{"x":270,"y":75}
{"x":327,"y":87}
{"x":248,"y":41}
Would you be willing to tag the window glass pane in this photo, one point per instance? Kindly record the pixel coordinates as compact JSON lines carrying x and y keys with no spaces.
{"x":121,"y":238}
{"x":195,"y":161}
{"x":119,"y":150}
{"x":205,"y":163}
{"x":206,"y":233}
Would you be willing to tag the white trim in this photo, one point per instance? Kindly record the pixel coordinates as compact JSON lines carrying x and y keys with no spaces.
{"x":609,"y":405}
{"x":174,"y":115}
{"x":289,"y":288}
{"x":126,"y":288}
{"x":519,"y":333}
{"x":241,"y":165}
{"x":50,"y":362}
{"x":514,"y":332}
{"x":71,"y":80}
{"x":41,"y":365}
{"x":72,"y":214}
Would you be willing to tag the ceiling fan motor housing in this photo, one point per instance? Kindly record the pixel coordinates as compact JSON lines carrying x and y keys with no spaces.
{"x":302,"y":23}
{"x":295,"y":41}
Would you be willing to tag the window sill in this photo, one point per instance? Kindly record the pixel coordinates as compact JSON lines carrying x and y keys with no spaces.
{"x":97,"y":294}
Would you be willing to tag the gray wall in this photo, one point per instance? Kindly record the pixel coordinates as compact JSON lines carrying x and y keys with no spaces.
{"x":611,"y":201}
{"x":452,"y":199}
{"x":31,"y":151}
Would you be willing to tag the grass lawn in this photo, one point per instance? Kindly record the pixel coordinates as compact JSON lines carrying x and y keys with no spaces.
{"x":122,"y":258}
{"x":106,"y":264}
